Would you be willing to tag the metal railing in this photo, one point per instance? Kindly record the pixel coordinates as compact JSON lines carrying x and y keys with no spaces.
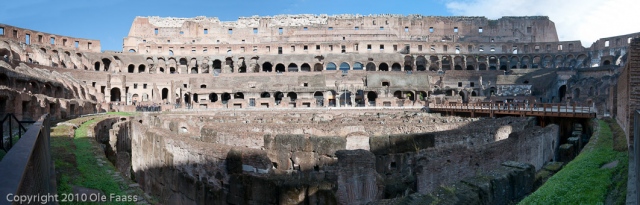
{"x":12,"y":124}
{"x":27,"y":169}
{"x":530,"y":107}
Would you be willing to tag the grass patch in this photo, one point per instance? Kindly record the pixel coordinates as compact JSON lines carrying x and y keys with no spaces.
{"x":582,"y":181}
{"x":74,"y":154}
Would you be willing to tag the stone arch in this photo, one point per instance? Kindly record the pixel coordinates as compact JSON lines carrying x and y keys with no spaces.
{"x":165,"y":93}
{"x":504,"y":62}
{"x":115,"y":94}
{"x":238,"y":95}
{"x":493,"y":63}
{"x":582,"y":61}
{"x":292,"y":96}
{"x":513,"y":63}
{"x":331,"y":66}
{"x":458,"y":63}
{"x":213,"y":97}
{"x":547,"y":61}
{"x":292,"y":67}
{"x":408,"y":63}
{"x":525,"y":61}
{"x":371,"y":66}
{"x":142,"y":68}
{"x":396,"y":67}
{"x":266,"y":67}
{"x":371,"y":97}
{"x":345,"y":66}
{"x":317,"y":67}
{"x":536,"y":62}
{"x":225,"y":97}
{"x":96,"y":66}
{"x":131,"y":68}
{"x":383,"y":67}
{"x":265,"y":95}
{"x":421,"y":63}
{"x":106,"y":62}
{"x":217,"y":66}
{"x":4,"y":80}
{"x":229,"y":62}
{"x":357,"y":66}
{"x":471,"y":62}
{"x":280,"y":68}
{"x":305,"y":67}
{"x":435,"y":63}
{"x":558,"y":60}
{"x":446,"y":63}
{"x":194,"y":70}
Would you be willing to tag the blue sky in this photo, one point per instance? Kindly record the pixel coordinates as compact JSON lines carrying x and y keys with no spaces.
{"x":109,"y":21}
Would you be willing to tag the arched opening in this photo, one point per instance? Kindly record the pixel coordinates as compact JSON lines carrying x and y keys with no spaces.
{"x":562,"y":92}
{"x":278,"y":97}
{"x":383,"y":67}
{"x":135,"y":98}
{"x":292,"y":96}
{"x":371,"y":97}
{"x":434,"y":66}
{"x":421,"y":63}
{"x":161,"y":70}
{"x":319,"y":98}
{"x":203,"y":86}
{"x":97,"y":66}
{"x":493,"y":63}
{"x":457,"y":67}
{"x":229,"y":62}
{"x":238,"y":95}
{"x":345,"y":98}
{"x":267,"y":67}
{"x":536,"y":62}
{"x":225,"y":98}
{"x":606,"y":62}
{"x":106,"y":63}
{"x":186,"y":98}
{"x":398,"y":94}
{"x":265,"y":95}
{"x":465,"y":98}
{"x":172,"y":70}
{"x":371,"y":66}
{"x":492,"y":91}
{"x":131,"y":68}
{"x":482,"y":66}
{"x":292,"y":67}
{"x":446,"y":63}
{"x":183,"y":61}
{"x":345,"y":66}
{"x":396,"y":67}
{"x":504,"y":61}
{"x":115,"y":94}
{"x":357,"y":66}
{"x":217,"y":66}
{"x":165,"y":93}
{"x":195,"y":97}
{"x":280,"y":68}
{"x":305,"y":68}
{"x":331,"y":66}
{"x":470,"y":67}
{"x":194,"y":70}
{"x":142,"y":68}
{"x":473,"y":93}
{"x":213,"y":97}
{"x":317,"y":67}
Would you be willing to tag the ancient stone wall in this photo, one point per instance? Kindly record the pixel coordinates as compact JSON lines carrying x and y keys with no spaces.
{"x":628,"y":97}
{"x":53,"y":41}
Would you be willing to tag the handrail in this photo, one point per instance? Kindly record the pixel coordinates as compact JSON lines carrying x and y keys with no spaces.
{"x":10,"y":117}
{"x":27,"y":169}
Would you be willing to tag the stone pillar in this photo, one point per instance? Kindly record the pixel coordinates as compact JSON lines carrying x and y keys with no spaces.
{"x":440,"y":64}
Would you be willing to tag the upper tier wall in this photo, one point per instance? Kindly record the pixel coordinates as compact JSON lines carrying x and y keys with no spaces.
{"x":51,"y":41}
{"x":323,"y":28}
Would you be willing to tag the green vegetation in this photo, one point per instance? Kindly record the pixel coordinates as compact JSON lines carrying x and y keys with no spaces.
{"x":583,"y":181}
{"x":74,"y":154}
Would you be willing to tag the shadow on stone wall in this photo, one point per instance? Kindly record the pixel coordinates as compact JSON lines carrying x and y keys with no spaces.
{"x":302,"y":169}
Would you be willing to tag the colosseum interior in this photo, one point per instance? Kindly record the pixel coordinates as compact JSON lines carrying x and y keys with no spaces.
{"x":319,"y":109}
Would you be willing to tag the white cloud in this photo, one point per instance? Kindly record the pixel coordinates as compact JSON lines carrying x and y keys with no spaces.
{"x":585,"y":20}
